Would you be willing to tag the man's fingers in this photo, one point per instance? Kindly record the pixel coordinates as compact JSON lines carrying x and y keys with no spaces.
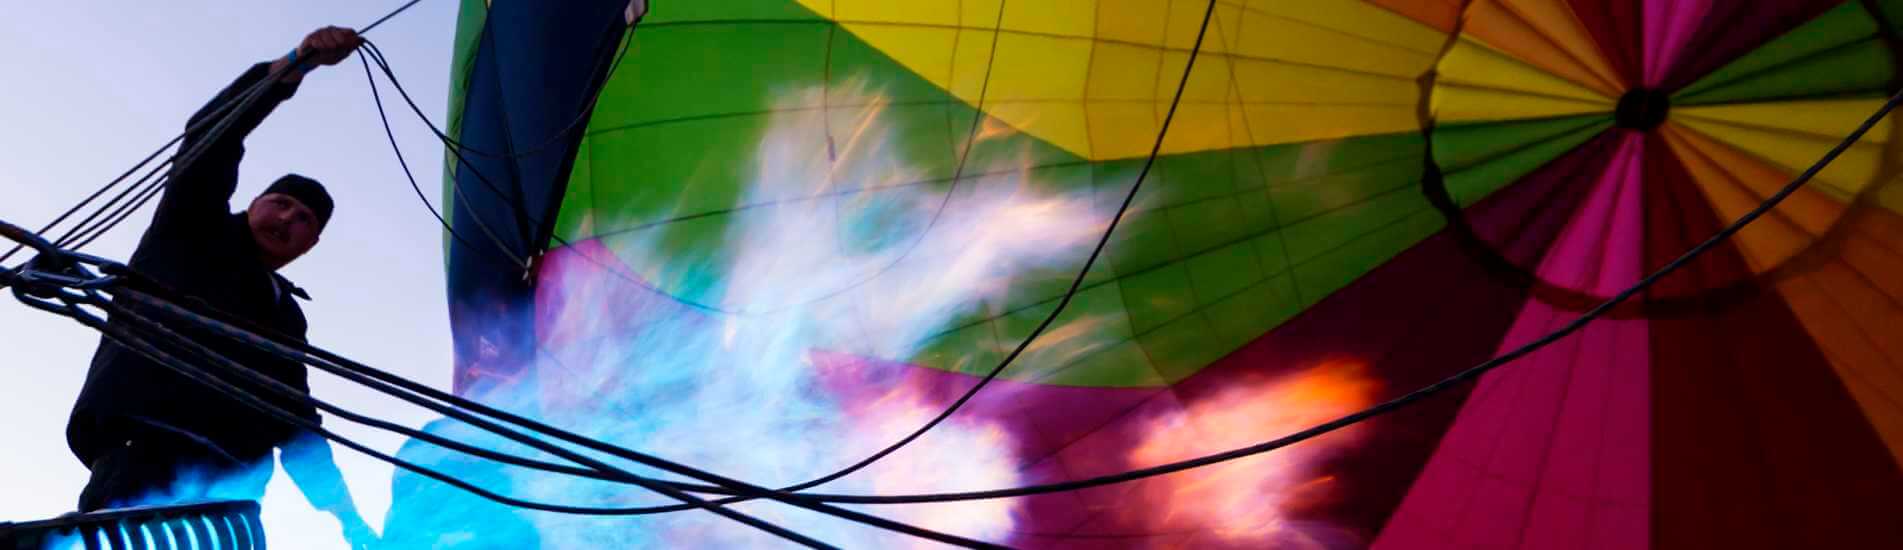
{"x":336,"y":38}
{"x":323,"y":38}
{"x":330,"y":45}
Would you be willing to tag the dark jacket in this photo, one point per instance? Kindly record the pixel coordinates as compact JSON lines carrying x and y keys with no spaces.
{"x":197,"y":247}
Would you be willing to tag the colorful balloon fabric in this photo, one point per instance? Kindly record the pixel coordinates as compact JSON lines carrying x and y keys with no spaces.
{"x":1353,"y":200}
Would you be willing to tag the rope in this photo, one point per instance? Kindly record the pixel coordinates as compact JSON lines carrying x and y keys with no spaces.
{"x":374,"y":54}
{"x":501,"y":248}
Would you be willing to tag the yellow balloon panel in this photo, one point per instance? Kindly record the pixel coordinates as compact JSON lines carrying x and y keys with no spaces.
{"x":1474,"y":64}
{"x":1458,"y":103}
{"x":1068,"y":71}
{"x":1834,"y":118}
{"x":1209,"y":80}
{"x":1123,"y":72}
{"x":1788,"y":140}
{"x":971,"y":56}
{"x":1040,"y":68}
{"x":1073,"y":18}
{"x":1295,"y":84}
{"x":1300,"y":42}
{"x":932,"y":52}
{"x":1362,"y":20}
{"x":922,"y":13}
{"x":1131,"y":21}
{"x":1117,"y":130}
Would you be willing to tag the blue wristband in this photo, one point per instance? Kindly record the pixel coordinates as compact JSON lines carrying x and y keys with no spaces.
{"x":292,"y":59}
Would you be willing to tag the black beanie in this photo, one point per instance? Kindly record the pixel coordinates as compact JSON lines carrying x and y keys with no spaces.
{"x":307,"y":191}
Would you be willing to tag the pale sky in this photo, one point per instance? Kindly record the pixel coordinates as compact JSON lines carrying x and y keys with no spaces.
{"x":92,"y":87}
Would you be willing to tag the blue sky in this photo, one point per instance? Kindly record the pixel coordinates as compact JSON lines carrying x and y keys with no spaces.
{"x":92,"y":87}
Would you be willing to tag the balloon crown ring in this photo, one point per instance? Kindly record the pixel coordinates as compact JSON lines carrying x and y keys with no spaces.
{"x":1642,"y":108}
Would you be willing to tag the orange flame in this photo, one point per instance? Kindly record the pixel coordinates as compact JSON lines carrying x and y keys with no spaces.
{"x":1248,"y":500}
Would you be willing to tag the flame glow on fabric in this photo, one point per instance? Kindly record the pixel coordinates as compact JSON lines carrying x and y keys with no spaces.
{"x":1325,"y":228}
{"x":756,"y":379}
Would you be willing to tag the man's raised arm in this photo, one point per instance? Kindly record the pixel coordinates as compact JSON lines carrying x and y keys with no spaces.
{"x":202,"y":190}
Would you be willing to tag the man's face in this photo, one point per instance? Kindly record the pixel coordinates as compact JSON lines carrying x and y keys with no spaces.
{"x":283,"y":227}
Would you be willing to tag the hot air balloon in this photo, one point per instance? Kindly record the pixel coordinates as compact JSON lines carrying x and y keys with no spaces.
{"x":1351,"y":200}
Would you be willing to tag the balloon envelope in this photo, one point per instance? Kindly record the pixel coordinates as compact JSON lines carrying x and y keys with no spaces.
{"x":1352,"y":200}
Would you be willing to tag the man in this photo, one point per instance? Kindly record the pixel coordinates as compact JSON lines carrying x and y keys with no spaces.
{"x":152,"y":436}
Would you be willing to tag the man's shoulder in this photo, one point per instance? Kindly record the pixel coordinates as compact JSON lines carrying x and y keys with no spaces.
{"x":170,"y":235}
